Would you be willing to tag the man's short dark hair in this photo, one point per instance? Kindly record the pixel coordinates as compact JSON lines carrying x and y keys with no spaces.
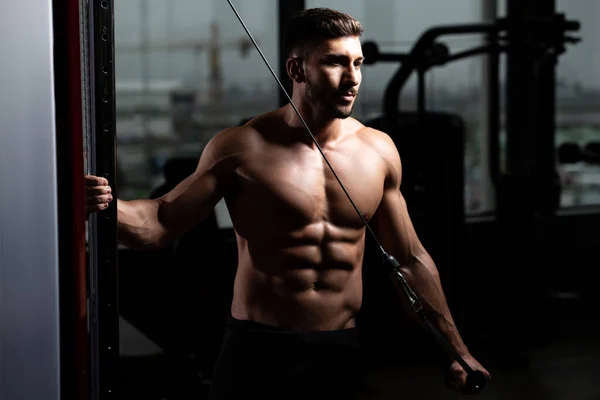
{"x":314,"y":25}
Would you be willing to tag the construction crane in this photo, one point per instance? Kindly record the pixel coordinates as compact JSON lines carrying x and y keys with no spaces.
{"x":183,"y":119}
{"x":214,"y":47}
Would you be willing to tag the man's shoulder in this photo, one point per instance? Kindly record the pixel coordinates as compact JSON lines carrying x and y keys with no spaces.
{"x":233,"y":137}
{"x":384,"y":146}
{"x":377,"y":139}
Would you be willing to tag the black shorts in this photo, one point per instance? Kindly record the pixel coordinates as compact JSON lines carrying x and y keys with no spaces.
{"x":272,"y":363}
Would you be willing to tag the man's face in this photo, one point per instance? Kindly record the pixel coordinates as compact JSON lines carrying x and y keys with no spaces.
{"x":333,"y":76}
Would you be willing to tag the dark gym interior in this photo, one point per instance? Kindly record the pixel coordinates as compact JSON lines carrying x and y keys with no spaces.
{"x":495,"y":109}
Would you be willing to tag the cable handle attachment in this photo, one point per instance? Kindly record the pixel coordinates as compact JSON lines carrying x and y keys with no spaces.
{"x":394,"y":267}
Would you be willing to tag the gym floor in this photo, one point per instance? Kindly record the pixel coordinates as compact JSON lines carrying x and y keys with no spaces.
{"x":565,"y":367}
{"x":566,"y":370}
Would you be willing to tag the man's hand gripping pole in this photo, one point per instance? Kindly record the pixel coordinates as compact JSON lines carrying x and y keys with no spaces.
{"x":475,"y":379}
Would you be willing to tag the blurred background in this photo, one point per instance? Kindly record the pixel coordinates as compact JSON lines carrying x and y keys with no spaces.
{"x":517,"y":276}
{"x":186,"y":70}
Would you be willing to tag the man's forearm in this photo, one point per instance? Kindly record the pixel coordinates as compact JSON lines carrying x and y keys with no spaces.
{"x":138,"y":225}
{"x":423,"y":278}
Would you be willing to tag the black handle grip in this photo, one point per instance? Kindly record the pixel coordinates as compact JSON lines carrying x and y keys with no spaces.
{"x":475,"y":383}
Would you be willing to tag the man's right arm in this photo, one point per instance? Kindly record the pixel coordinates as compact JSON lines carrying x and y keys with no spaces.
{"x":153,"y":223}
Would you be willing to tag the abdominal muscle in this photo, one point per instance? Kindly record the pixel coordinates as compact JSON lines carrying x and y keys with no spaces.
{"x":302,"y":280}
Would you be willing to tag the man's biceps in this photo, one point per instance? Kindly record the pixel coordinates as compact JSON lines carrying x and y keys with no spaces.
{"x":393,"y":202}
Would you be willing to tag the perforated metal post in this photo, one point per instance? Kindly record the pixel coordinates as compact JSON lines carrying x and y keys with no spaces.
{"x":103,"y":290}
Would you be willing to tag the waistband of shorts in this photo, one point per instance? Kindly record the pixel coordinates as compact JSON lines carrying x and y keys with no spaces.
{"x":338,"y":336}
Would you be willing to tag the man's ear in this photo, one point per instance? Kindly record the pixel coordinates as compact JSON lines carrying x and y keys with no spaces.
{"x":295,"y":69}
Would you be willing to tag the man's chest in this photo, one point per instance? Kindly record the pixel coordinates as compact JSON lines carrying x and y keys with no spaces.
{"x":300,"y":185}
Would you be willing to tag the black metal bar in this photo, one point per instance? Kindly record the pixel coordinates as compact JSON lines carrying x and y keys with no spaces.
{"x":517,"y":212}
{"x":373,"y":55}
{"x":518,"y":97}
{"x":104,"y":321}
{"x":287,"y":9}
{"x":391,"y":96}
{"x":494,"y":112}
{"x":470,"y":53}
{"x":404,"y":57}
{"x":421,"y":101}
{"x":392,"y":57}
{"x":545,"y":140}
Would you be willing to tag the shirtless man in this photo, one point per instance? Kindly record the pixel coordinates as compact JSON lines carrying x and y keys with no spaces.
{"x":298,"y":286}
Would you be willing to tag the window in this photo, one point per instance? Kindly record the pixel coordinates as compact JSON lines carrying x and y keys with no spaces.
{"x":578,"y":108}
{"x":185,"y":70}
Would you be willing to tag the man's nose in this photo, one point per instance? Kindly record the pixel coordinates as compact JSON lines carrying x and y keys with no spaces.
{"x":352,"y":76}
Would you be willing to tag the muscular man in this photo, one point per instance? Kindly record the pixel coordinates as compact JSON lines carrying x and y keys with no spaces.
{"x":298,"y":286}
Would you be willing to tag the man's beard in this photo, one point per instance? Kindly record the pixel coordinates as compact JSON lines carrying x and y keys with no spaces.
{"x":316,"y":97}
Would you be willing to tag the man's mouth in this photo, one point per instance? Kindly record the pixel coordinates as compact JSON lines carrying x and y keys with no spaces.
{"x":348,"y":95}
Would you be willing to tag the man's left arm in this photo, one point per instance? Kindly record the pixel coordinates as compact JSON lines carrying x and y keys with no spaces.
{"x":395,"y":231}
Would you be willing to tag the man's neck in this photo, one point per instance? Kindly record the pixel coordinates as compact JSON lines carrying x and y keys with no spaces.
{"x":324,"y":129}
